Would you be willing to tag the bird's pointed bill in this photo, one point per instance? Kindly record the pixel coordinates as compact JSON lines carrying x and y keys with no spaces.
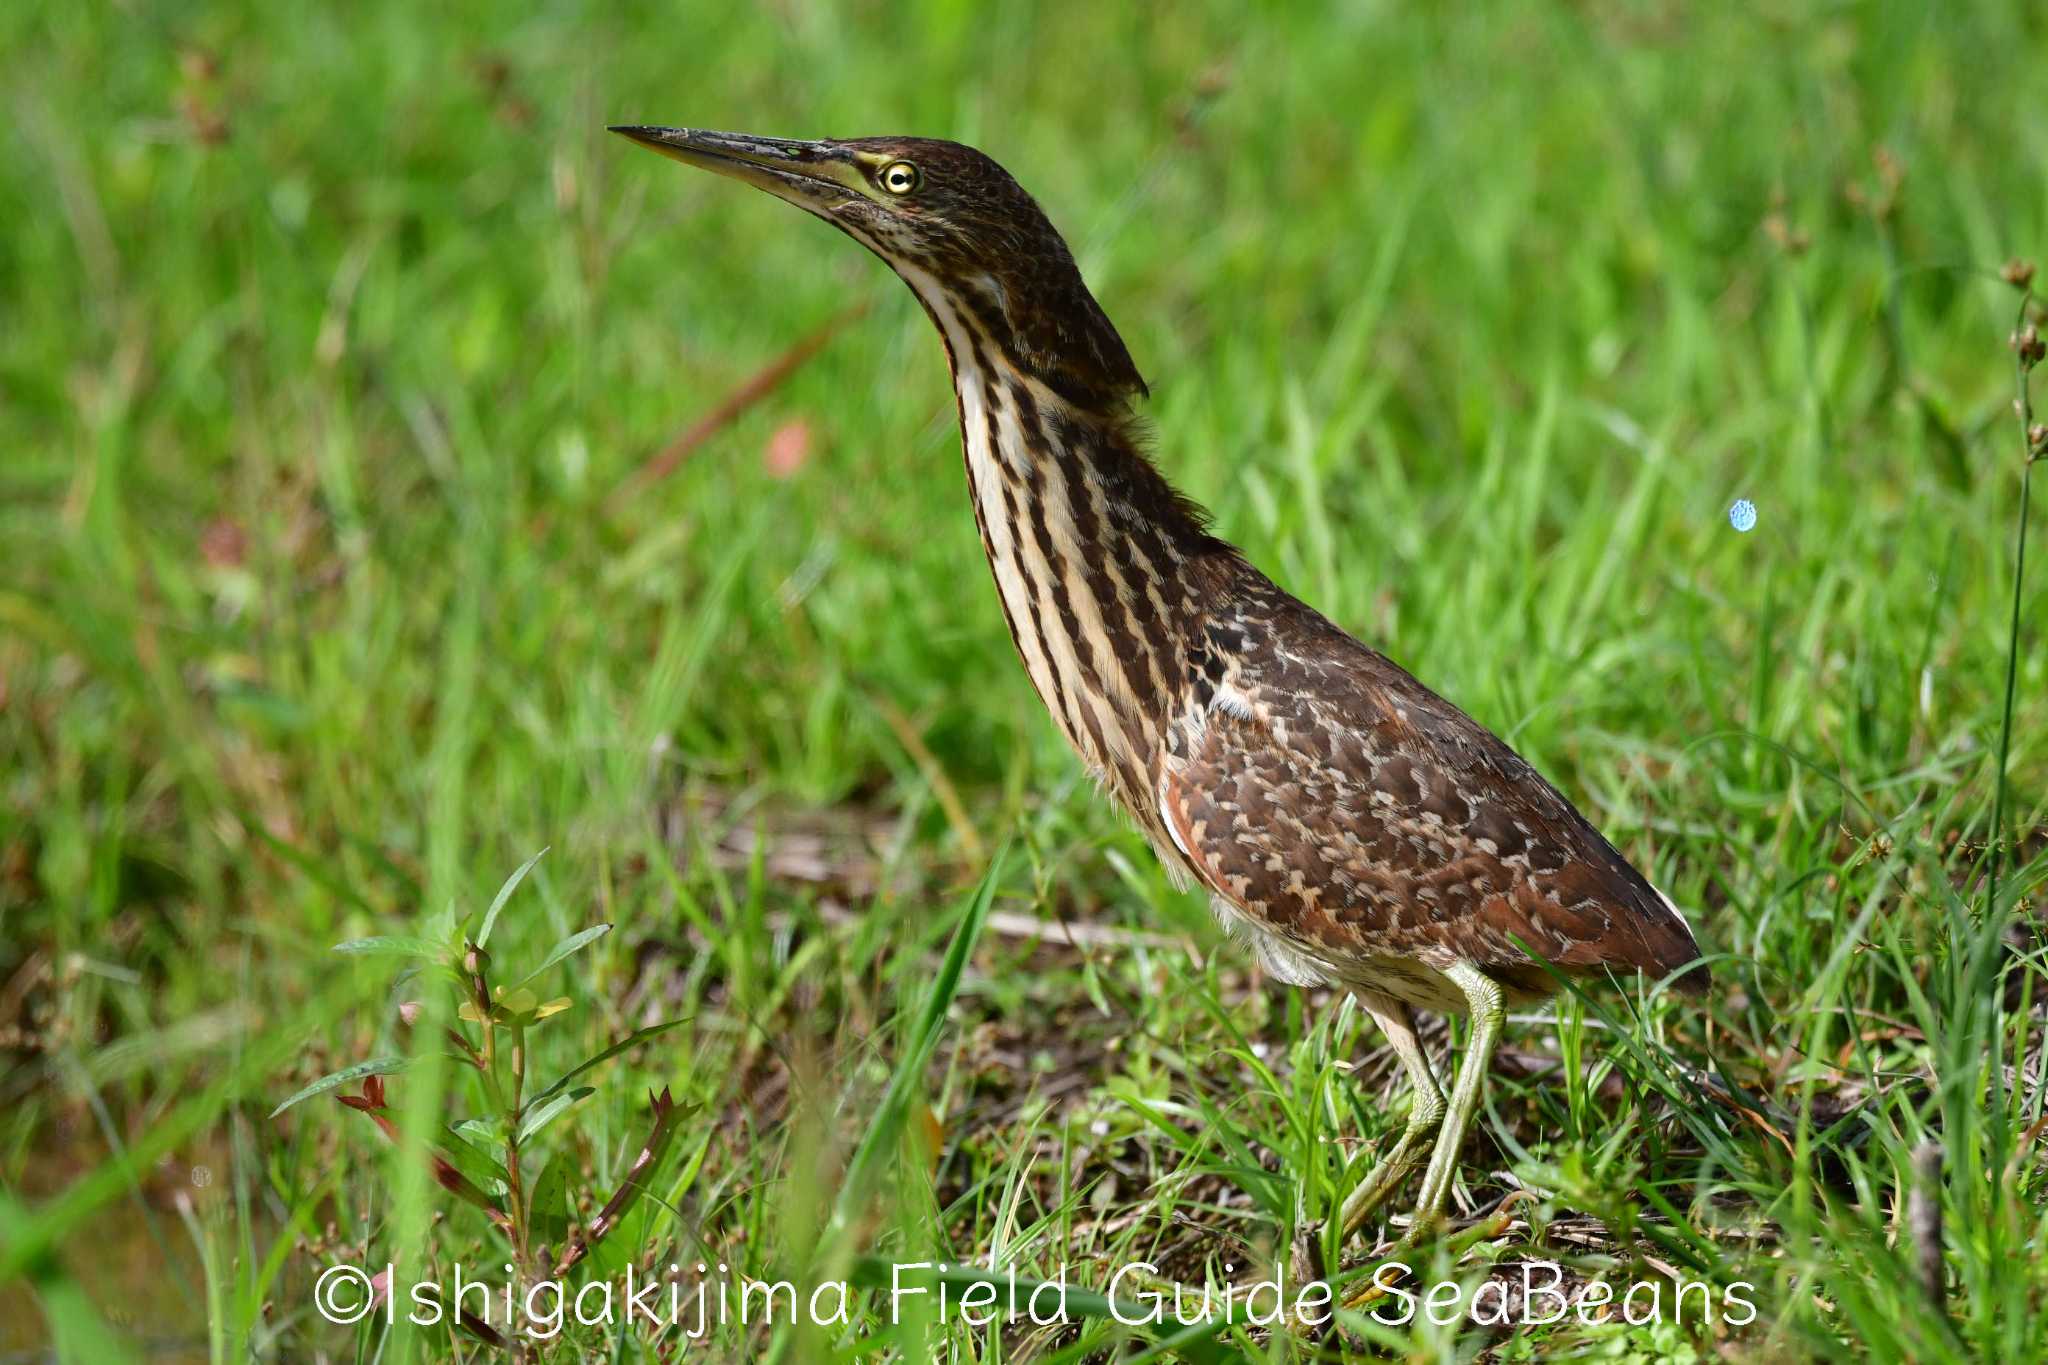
{"x":812,"y":175}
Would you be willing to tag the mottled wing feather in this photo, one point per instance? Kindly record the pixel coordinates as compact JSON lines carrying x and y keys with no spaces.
{"x":1345,"y":808}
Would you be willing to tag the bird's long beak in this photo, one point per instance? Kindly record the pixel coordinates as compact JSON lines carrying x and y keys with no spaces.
{"x":813,"y":175}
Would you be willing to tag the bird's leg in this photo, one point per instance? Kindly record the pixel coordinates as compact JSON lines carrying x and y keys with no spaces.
{"x":1398,"y":1023}
{"x":1483,"y":994}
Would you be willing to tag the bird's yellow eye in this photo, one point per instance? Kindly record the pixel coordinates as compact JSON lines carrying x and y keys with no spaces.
{"x":899,"y":177}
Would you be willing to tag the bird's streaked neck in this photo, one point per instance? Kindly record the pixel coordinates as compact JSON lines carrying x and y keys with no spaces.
{"x":1085,"y":540}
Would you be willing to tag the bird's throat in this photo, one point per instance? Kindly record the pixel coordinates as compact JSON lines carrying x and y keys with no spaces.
{"x":1088,"y":545}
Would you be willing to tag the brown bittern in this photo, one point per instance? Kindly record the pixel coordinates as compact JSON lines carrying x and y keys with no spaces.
{"x":1359,"y":830}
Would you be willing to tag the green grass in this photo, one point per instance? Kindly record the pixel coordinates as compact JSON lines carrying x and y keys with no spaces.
{"x":329,"y":334}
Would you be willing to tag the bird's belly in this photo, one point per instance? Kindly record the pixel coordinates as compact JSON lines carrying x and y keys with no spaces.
{"x":1396,"y":978}
{"x":1405,"y":979}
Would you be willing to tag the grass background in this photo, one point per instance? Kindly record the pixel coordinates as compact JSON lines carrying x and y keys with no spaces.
{"x":331,"y":334}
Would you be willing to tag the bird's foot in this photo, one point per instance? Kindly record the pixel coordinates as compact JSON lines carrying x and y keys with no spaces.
{"x":1421,"y":1231}
{"x":1394,"y":1168}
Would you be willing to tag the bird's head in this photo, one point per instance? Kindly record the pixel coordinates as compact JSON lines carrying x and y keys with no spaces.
{"x":975,"y":248}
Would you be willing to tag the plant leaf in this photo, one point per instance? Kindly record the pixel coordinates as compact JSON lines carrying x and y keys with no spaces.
{"x":443,"y":923}
{"x":334,"y":1080}
{"x":483,"y":1133}
{"x":473,"y":1159}
{"x":637,"y":1036}
{"x":544,"y":1113}
{"x":567,"y":946}
{"x":521,"y":1001}
{"x":547,"y":1203}
{"x":483,"y":935}
{"x":391,"y":945}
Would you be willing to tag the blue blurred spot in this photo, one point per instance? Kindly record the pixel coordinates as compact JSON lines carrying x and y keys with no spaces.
{"x":1742,"y":515}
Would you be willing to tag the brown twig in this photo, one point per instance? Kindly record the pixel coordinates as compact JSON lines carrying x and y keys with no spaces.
{"x":759,"y":385}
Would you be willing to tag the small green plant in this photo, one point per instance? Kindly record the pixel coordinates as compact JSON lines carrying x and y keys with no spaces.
{"x":492,"y":1159}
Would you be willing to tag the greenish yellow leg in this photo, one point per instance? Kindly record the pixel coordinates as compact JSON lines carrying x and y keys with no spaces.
{"x":1424,"y":1115}
{"x":1483,"y":994}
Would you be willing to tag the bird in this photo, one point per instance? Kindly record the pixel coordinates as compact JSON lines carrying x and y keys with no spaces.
{"x":1358,"y":830}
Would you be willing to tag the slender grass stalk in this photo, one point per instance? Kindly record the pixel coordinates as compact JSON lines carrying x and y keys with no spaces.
{"x":2023,"y":407}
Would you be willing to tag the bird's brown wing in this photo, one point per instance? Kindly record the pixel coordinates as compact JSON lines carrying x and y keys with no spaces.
{"x":1347,"y":809}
